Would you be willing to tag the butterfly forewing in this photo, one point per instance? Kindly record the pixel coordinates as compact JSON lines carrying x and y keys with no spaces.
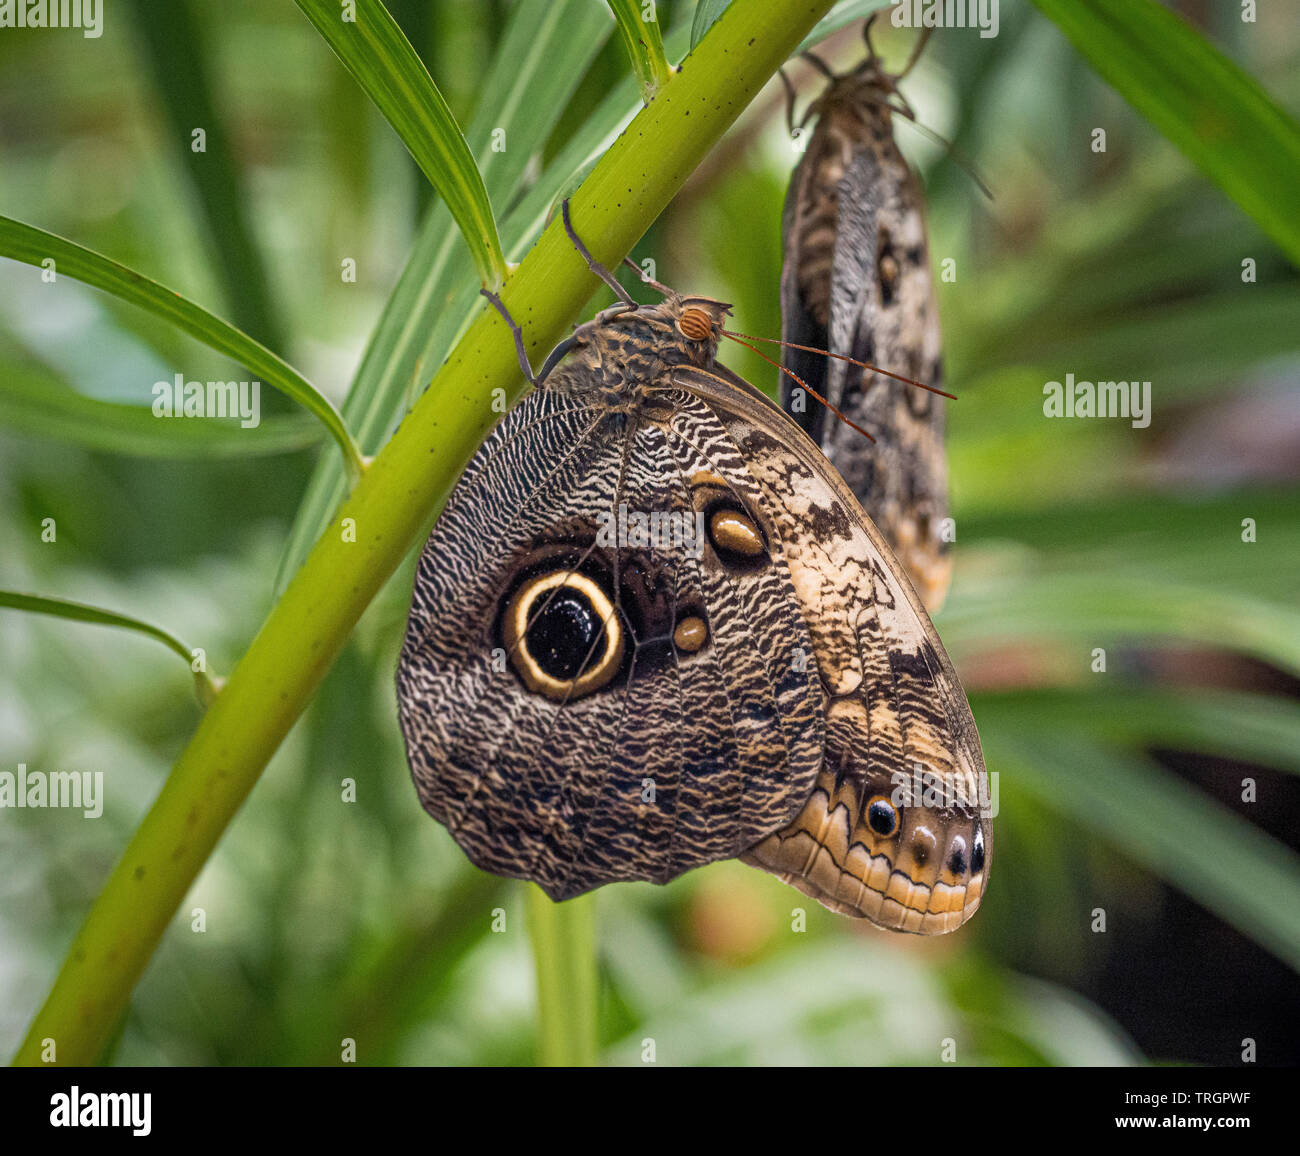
{"x":898,"y":827}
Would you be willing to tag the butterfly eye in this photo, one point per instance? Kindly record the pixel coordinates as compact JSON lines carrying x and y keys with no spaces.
{"x":695,"y":324}
{"x":882,"y":816}
{"x":977,"y":855}
{"x":563,"y":635}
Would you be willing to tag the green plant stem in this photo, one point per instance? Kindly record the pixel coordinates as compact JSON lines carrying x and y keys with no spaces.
{"x":564,"y":948}
{"x":383,"y":519}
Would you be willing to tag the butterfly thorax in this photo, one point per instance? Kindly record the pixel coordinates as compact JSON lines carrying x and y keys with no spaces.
{"x":626,"y":355}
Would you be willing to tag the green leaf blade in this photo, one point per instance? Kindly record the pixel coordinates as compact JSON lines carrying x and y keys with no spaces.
{"x":39,"y":405}
{"x":378,"y":55}
{"x":23,"y":242}
{"x":81,"y":612}
{"x":1217,"y":114}
{"x":644,"y":44}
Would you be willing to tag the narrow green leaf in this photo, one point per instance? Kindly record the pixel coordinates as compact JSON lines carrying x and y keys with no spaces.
{"x":1219,"y":116}
{"x":374,"y":49}
{"x":1099,"y":609}
{"x":177,"y":52}
{"x":35,"y":246}
{"x":644,"y":44}
{"x":706,"y":14}
{"x":205,"y":687}
{"x":843,"y":14}
{"x":1255,"y":728}
{"x":547,"y":47}
{"x":40,"y":405}
{"x":1167,"y":537}
{"x":1223,"y":862}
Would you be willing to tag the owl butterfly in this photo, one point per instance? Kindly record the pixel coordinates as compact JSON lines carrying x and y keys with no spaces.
{"x":856,"y":281}
{"x":652,"y":628}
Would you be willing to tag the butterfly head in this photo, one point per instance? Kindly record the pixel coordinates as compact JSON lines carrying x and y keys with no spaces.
{"x":697,"y":326}
{"x":864,"y":96}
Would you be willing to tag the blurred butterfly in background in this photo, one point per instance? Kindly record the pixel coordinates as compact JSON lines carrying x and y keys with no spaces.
{"x":856,"y":280}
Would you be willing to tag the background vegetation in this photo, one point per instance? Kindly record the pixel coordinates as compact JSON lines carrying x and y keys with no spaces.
{"x":1119,"y":791}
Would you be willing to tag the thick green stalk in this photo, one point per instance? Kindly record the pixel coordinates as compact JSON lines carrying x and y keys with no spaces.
{"x":564,"y":948}
{"x":383,"y":519}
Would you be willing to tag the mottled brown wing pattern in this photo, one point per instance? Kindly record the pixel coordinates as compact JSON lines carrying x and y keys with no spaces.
{"x":696,"y":732}
{"x":897,"y":828}
{"x":586,"y":698}
{"x":857,"y":281}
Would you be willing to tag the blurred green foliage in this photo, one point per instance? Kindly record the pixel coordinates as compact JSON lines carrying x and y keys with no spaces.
{"x":1120,"y":792}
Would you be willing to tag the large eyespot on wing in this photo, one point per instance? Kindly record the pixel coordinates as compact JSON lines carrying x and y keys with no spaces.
{"x":458,"y":691}
{"x":563,"y":633}
{"x":897,"y":828}
{"x":566,"y":681}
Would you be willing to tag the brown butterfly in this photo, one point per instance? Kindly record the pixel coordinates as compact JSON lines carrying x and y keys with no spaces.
{"x":653,"y":628}
{"x":857,"y":281}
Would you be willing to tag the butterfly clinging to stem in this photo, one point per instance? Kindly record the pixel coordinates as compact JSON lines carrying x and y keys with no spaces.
{"x":653,"y":628}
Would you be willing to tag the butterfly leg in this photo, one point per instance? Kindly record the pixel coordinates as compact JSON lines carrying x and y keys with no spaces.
{"x":818,"y":63}
{"x":537,"y":380}
{"x":592,"y":264}
{"x":516,"y":333}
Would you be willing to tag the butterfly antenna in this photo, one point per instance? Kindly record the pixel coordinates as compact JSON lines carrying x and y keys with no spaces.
{"x":736,"y":337}
{"x":837,"y":357}
{"x":917,"y":49}
{"x":955,"y":154}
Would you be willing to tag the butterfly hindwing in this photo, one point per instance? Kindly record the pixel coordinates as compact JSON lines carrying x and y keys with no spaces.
{"x":701,"y":735}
